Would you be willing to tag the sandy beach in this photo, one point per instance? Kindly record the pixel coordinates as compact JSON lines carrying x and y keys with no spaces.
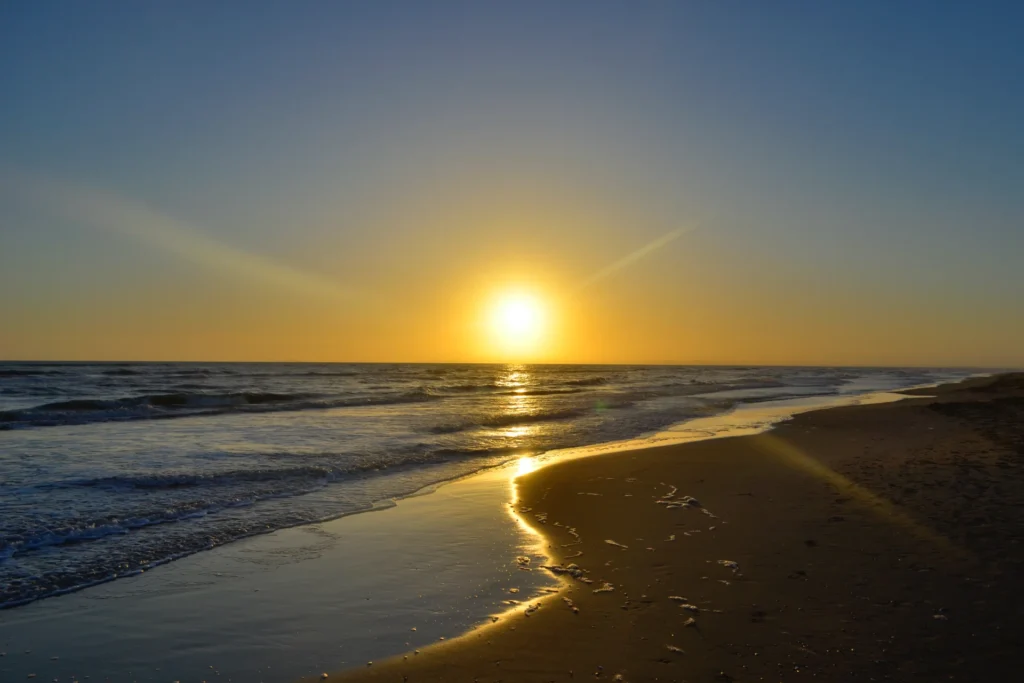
{"x":875,"y":542}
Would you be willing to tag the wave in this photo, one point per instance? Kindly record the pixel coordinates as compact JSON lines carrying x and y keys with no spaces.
{"x":509,"y":420}
{"x":186,"y":404}
{"x":183,"y":480}
{"x":180,"y":400}
{"x":27,"y":372}
{"x":588,"y":382}
{"x":233,"y":488}
{"x":122,"y":372}
{"x":542,"y":392}
{"x":466,"y":388}
{"x":314,"y":373}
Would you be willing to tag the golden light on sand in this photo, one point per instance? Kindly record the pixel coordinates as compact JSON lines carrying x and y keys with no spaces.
{"x":518,"y":322}
{"x":525,"y":465}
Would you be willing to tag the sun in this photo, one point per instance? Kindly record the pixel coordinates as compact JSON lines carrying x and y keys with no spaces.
{"x":518,"y":322}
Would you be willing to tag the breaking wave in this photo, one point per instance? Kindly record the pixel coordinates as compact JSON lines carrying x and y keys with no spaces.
{"x":187,"y":404}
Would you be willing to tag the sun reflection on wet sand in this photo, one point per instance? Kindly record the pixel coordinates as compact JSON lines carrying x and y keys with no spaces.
{"x":525,"y":465}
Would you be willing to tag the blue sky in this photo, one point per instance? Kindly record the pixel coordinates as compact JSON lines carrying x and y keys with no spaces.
{"x":850,"y":164}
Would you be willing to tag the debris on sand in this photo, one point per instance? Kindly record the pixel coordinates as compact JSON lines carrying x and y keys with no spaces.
{"x":531,"y":609}
{"x":940,"y":617}
{"x":522,"y":560}
{"x":690,"y":608}
{"x":673,"y":648}
{"x":671,"y":538}
{"x":735,"y":566}
{"x":616,"y":543}
{"x":690,"y":621}
{"x":678,"y":598}
{"x":573,"y":570}
{"x":572,"y":605}
{"x":605,"y":588}
{"x":513,"y":590}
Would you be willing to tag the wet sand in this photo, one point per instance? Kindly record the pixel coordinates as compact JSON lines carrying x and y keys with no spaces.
{"x":876,"y":542}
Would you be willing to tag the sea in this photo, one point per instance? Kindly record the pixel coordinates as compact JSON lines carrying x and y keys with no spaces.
{"x":110,"y":469}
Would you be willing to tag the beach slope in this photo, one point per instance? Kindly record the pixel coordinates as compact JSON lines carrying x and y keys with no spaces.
{"x":875,"y":542}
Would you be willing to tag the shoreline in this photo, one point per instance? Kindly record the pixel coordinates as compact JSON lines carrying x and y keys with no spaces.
{"x":555,"y":643}
{"x":421,"y":480}
{"x":334,"y":629}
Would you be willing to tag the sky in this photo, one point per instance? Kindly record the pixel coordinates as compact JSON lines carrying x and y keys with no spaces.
{"x":673,"y":182}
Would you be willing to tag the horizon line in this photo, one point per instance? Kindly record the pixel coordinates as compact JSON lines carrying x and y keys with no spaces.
{"x":541,"y":363}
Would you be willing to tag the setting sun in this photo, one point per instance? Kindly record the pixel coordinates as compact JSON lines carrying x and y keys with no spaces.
{"x":518,"y":322}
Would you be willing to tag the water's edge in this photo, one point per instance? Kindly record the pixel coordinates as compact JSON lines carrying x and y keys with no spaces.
{"x":743,"y":420}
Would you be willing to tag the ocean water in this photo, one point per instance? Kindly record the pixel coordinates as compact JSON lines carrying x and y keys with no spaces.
{"x":109,"y":469}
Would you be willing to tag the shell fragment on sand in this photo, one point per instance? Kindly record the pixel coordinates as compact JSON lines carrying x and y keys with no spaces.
{"x":572,"y":570}
{"x":729,"y":564}
{"x":616,"y":543}
{"x":605,"y":588}
{"x":673,"y":648}
{"x":685,"y":502}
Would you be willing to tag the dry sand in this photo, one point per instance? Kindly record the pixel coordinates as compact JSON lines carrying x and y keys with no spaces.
{"x":878,"y":542}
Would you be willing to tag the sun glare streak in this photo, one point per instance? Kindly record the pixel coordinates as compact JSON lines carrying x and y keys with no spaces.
{"x":120,"y":215}
{"x":796,"y":458}
{"x":633,"y":257}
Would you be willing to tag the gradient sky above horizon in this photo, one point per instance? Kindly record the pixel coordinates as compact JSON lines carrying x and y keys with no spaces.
{"x":340,"y":181}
